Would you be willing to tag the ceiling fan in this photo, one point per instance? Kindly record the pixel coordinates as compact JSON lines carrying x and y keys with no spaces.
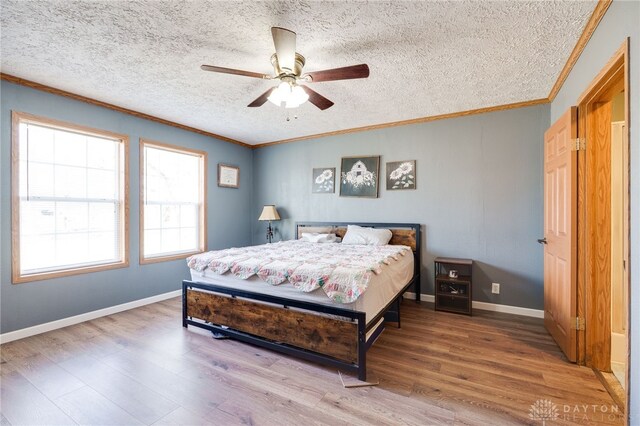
{"x":287,"y":66}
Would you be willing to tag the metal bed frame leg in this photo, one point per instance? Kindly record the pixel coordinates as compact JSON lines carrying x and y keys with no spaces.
{"x":362,"y":350}
{"x":184,"y":305}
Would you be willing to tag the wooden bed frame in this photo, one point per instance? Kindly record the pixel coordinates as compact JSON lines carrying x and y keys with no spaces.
{"x":269,"y":321}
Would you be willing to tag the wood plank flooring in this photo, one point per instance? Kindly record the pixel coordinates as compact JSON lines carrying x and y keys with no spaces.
{"x":142,"y":367}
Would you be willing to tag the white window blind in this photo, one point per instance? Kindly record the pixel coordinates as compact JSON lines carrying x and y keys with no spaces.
{"x":71,"y":196}
{"x":173,"y":200}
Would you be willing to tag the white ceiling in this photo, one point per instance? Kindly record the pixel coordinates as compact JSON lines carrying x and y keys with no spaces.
{"x":426,"y":58}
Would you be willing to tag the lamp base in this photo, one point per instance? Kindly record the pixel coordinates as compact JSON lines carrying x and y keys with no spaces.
{"x":269,"y":233}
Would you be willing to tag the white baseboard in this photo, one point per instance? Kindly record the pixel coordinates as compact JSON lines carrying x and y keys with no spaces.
{"x":65,"y":322}
{"x":484,"y":306}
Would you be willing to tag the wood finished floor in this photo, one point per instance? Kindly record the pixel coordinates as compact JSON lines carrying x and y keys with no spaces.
{"x":142,"y":367}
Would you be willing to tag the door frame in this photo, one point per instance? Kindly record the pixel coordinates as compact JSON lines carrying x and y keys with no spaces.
{"x":594,"y":295}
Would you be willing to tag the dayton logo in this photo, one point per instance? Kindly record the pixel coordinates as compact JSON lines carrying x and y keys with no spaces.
{"x":544,"y":409}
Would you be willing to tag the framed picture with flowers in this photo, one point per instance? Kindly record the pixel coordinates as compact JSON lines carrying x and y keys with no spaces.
{"x":324,"y":180}
{"x":401,"y":175}
{"x":359,"y":176}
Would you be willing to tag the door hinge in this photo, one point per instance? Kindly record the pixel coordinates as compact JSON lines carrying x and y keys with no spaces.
{"x":579,"y":323}
{"x":578,"y":144}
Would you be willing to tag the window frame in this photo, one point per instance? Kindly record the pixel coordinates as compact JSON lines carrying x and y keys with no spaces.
{"x":202,"y":222}
{"x":17,"y":277}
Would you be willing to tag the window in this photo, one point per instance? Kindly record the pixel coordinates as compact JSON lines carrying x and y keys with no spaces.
{"x":172,"y":202}
{"x":69,"y":199}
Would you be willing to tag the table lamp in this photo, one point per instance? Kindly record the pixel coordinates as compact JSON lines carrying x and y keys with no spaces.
{"x":269,"y":213}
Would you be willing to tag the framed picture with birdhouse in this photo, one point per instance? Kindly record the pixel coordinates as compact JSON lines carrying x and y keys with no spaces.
{"x":359,"y":176}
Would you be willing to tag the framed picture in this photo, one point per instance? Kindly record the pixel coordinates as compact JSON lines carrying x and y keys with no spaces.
{"x":359,"y":176}
{"x":401,"y":175}
{"x":228,"y":176}
{"x":324,"y":180}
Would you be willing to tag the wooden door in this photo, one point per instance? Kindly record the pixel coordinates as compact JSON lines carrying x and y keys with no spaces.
{"x":560,"y":232}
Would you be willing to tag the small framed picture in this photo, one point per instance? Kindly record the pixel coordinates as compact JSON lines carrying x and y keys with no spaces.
{"x":401,"y":175}
{"x":228,"y":176}
{"x":324,"y":180}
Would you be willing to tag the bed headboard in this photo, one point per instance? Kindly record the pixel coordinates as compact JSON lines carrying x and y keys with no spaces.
{"x":406,"y":234}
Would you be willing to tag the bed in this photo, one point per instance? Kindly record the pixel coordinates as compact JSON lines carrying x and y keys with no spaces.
{"x":308,"y":325}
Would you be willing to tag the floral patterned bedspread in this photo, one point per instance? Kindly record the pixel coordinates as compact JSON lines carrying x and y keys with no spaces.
{"x":342,"y":271}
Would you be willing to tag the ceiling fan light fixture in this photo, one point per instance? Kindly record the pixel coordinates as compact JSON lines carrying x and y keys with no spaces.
{"x":281,"y":94}
{"x":290,"y":94}
{"x":298,"y":97}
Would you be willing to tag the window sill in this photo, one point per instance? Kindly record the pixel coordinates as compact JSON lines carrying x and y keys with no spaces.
{"x":181,"y":256}
{"x":19,"y":279}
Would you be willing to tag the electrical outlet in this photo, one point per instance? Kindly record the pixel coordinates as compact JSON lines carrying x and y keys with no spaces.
{"x":495,"y":288}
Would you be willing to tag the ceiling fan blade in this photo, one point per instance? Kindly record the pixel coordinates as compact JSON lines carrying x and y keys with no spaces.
{"x":317,"y":99}
{"x":345,"y":73}
{"x":261,"y":99}
{"x":233,"y":71}
{"x":285,"y":42}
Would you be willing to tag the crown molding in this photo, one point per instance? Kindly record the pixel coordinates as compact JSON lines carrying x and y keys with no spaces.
{"x":55,"y":91}
{"x":598,"y":13}
{"x":411,"y":121}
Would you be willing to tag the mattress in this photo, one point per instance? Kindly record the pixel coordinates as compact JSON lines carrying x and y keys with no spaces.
{"x":382,"y":289}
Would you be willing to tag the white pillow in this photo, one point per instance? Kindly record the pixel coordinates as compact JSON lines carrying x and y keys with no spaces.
{"x":318,"y":238}
{"x":366,"y":236}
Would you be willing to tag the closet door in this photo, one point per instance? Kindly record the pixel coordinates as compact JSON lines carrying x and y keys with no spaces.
{"x":560,"y":232}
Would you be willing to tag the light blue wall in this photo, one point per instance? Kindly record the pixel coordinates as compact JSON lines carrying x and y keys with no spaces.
{"x":622,"y":20}
{"x":28,"y":304}
{"x":479,"y":193}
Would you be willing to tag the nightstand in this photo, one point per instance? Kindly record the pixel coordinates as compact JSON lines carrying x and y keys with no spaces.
{"x":453,"y":289}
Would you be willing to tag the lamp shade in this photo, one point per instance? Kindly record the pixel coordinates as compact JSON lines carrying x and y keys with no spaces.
{"x":269,"y":212}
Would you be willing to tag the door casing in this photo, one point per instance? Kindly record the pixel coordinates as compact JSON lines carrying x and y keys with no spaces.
{"x":594,"y":239}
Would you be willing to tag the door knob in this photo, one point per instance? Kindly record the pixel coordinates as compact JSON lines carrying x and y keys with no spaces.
{"x":542,"y":240}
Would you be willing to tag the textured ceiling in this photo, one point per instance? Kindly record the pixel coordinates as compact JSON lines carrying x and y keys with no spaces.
{"x":426,"y":58}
